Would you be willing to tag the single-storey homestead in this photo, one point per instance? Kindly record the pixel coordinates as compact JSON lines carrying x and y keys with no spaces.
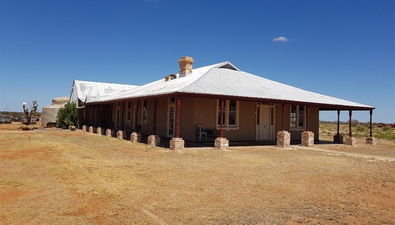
{"x":216,"y":100}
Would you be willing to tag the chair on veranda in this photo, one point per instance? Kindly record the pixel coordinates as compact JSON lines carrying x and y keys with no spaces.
{"x":201,"y":133}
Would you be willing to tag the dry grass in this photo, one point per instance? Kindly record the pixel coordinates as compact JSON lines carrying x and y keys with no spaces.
{"x":61,"y":177}
{"x":358,"y":130}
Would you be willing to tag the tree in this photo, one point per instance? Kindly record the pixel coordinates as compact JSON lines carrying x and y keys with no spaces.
{"x":67,"y":116}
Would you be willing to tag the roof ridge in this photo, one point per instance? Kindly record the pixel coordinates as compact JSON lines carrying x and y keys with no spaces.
{"x":213,"y":66}
{"x":99,"y":82}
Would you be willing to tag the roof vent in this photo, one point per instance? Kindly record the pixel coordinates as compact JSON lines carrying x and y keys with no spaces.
{"x":170,"y":77}
{"x":228,"y":66}
{"x":185,"y":65}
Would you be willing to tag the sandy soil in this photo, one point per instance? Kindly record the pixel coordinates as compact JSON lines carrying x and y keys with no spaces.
{"x":61,"y":177}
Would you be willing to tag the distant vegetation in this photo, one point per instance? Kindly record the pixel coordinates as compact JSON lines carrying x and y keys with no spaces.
{"x":380,"y":130}
{"x":17,"y":116}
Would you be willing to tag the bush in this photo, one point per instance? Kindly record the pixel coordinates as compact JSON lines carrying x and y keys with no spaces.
{"x":354,"y":123}
{"x":67,"y":116}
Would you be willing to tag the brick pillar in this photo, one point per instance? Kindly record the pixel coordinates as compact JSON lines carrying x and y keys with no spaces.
{"x":371,"y":141}
{"x":90,"y":129}
{"x":177,"y":144}
{"x":108,"y":132}
{"x":84,"y":128}
{"x":338,"y":138}
{"x":135,"y":137}
{"x":283,"y":139}
{"x":351,"y":141}
{"x":98,"y":131}
{"x":153,"y":140}
{"x":307,"y":138}
{"x":120,"y":134}
{"x":221,"y":143}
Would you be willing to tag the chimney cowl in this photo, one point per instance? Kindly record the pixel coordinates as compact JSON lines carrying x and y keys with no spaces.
{"x":185,"y":65}
{"x":170,"y":77}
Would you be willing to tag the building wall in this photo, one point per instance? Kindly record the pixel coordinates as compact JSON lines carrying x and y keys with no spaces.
{"x":144,"y":126}
{"x":187,"y":118}
{"x":105,"y":116}
{"x":199,"y":111}
{"x":128,"y":119}
{"x":296,"y":135}
{"x":193,"y":112}
{"x":161,"y":116}
{"x":247,"y":124}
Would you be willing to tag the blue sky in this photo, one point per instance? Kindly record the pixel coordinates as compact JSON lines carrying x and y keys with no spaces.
{"x":341,"y":48}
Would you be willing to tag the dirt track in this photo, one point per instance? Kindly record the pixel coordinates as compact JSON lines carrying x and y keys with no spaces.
{"x":63,"y":177}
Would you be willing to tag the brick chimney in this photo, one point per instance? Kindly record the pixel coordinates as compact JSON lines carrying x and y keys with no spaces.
{"x":185,"y":66}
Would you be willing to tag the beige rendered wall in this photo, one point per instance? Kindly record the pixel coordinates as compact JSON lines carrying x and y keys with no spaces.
{"x":202,"y":111}
{"x":187,"y":118}
{"x":195,"y":111}
{"x":161,"y":115}
{"x":296,"y":135}
{"x":247,"y":124}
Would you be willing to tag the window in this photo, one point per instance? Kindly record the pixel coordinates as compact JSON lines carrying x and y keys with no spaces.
{"x":232,"y":113}
{"x":230,"y":116}
{"x":297,"y":117}
{"x":293,"y":116}
{"x":118,"y":116}
{"x":129,"y":111}
{"x":145,"y":112}
{"x":172,"y":99}
{"x":171,"y":117}
{"x":301,"y":116}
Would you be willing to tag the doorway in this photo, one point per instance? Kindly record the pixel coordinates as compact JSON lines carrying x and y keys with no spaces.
{"x":171,"y":118}
{"x":265,"y":122}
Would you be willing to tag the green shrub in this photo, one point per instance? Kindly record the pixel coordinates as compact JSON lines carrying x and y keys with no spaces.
{"x":361,"y":128}
{"x":67,"y":116}
{"x":384,"y":136}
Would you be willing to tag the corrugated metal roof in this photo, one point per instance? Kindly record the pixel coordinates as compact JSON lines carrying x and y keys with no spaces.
{"x":219,"y":80}
{"x":162,"y":87}
{"x":96,"y":90}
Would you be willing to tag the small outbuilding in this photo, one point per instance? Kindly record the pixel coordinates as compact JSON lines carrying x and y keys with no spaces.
{"x":49,"y":113}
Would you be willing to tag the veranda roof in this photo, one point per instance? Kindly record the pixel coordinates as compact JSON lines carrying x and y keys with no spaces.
{"x":226,"y":80}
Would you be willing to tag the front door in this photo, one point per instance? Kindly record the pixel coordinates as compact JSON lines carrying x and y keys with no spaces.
{"x":171,"y":120}
{"x":264,"y":129}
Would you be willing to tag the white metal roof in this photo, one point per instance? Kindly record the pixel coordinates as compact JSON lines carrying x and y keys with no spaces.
{"x":224,"y":79}
{"x":161,"y":87}
{"x":82,"y":90}
{"x":219,"y":81}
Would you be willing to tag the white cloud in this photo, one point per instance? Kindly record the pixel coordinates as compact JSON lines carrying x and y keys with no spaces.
{"x":280,"y":39}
